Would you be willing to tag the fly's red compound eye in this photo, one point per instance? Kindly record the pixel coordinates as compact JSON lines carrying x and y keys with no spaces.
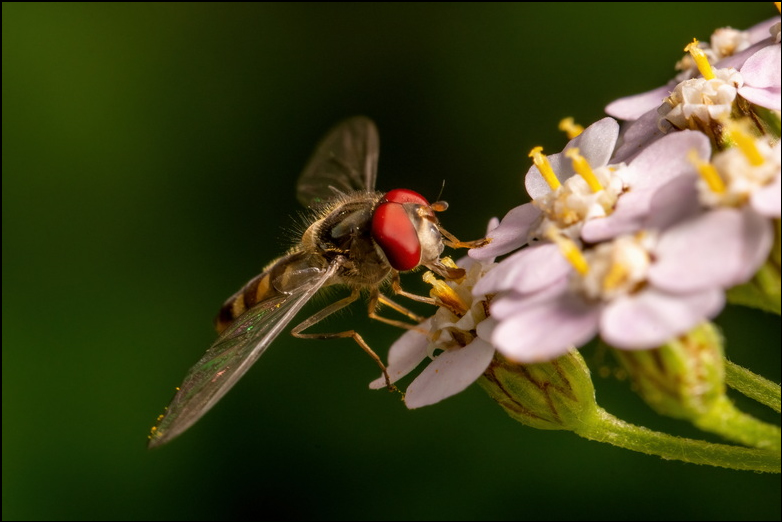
{"x":396,"y":234}
{"x":405,"y":196}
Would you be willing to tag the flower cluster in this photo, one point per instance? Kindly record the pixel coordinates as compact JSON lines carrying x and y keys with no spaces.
{"x":638,"y":231}
{"x":653,"y":237}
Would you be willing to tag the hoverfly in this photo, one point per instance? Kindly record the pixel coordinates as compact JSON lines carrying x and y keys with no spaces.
{"x":358,"y":238}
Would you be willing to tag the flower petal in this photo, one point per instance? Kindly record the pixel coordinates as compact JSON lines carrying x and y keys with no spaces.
{"x":596,"y":144}
{"x":631,"y":210}
{"x":545,"y":330}
{"x":716,"y":249}
{"x":736,"y":61}
{"x":451,"y":372}
{"x":652,"y":317}
{"x":405,"y":355}
{"x":769,"y":97}
{"x":528,"y":270}
{"x":699,"y":253}
{"x":511,"y":233}
{"x":667,"y":158}
{"x":507,"y":304}
{"x":768,"y":200}
{"x":635,"y":106}
{"x":762,"y":72}
{"x":673,"y":203}
{"x":760,"y":31}
{"x":758,"y":237}
{"x":659,"y":163}
{"x":639,"y":134}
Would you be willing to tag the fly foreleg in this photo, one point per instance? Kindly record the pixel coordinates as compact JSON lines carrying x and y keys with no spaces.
{"x":330,"y":309}
{"x":453,"y":242}
{"x":377,"y":298}
{"x":387,"y":301}
{"x":396,"y":286}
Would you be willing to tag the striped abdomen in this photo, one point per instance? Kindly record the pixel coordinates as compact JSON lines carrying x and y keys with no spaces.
{"x":284,"y":275}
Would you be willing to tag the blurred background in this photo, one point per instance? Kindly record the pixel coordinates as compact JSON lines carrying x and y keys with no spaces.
{"x":150,"y":153}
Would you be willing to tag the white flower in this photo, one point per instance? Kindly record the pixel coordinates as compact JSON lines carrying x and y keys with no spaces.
{"x":458,"y":355}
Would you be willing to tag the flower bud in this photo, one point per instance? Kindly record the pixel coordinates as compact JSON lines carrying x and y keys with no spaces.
{"x":555,"y":395}
{"x":684,"y":378}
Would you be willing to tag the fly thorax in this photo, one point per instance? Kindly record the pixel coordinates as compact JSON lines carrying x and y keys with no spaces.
{"x":345,"y":230}
{"x":342,"y":226}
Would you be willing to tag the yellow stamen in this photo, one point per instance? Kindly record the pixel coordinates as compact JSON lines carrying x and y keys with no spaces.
{"x":745,"y":142}
{"x":569,"y":250}
{"x":569,"y":126}
{"x":708,"y":172}
{"x":777,"y":4}
{"x":700,"y":59}
{"x":543,"y":165}
{"x":616,"y":275}
{"x":582,"y":167}
{"x":446,"y":295}
{"x":447,"y":261}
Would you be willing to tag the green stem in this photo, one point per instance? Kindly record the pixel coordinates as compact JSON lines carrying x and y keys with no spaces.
{"x":609,"y":429}
{"x":724,"y":419}
{"x":753,"y":386}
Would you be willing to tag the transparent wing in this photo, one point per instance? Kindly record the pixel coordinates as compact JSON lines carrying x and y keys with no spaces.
{"x":345,"y":160}
{"x":231,"y":355}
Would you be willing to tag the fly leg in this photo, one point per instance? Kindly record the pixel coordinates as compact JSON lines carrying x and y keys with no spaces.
{"x":453,"y":242}
{"x":378,"y":298}
{"x":396,"y":286}
{"x":450,"y":239}
{"x":330,"y":309}
{"x":385,"y":300}
{"x":448,"y":272}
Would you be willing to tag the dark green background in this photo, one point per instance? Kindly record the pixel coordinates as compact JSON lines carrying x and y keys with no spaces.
{"x":150,"y":154}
